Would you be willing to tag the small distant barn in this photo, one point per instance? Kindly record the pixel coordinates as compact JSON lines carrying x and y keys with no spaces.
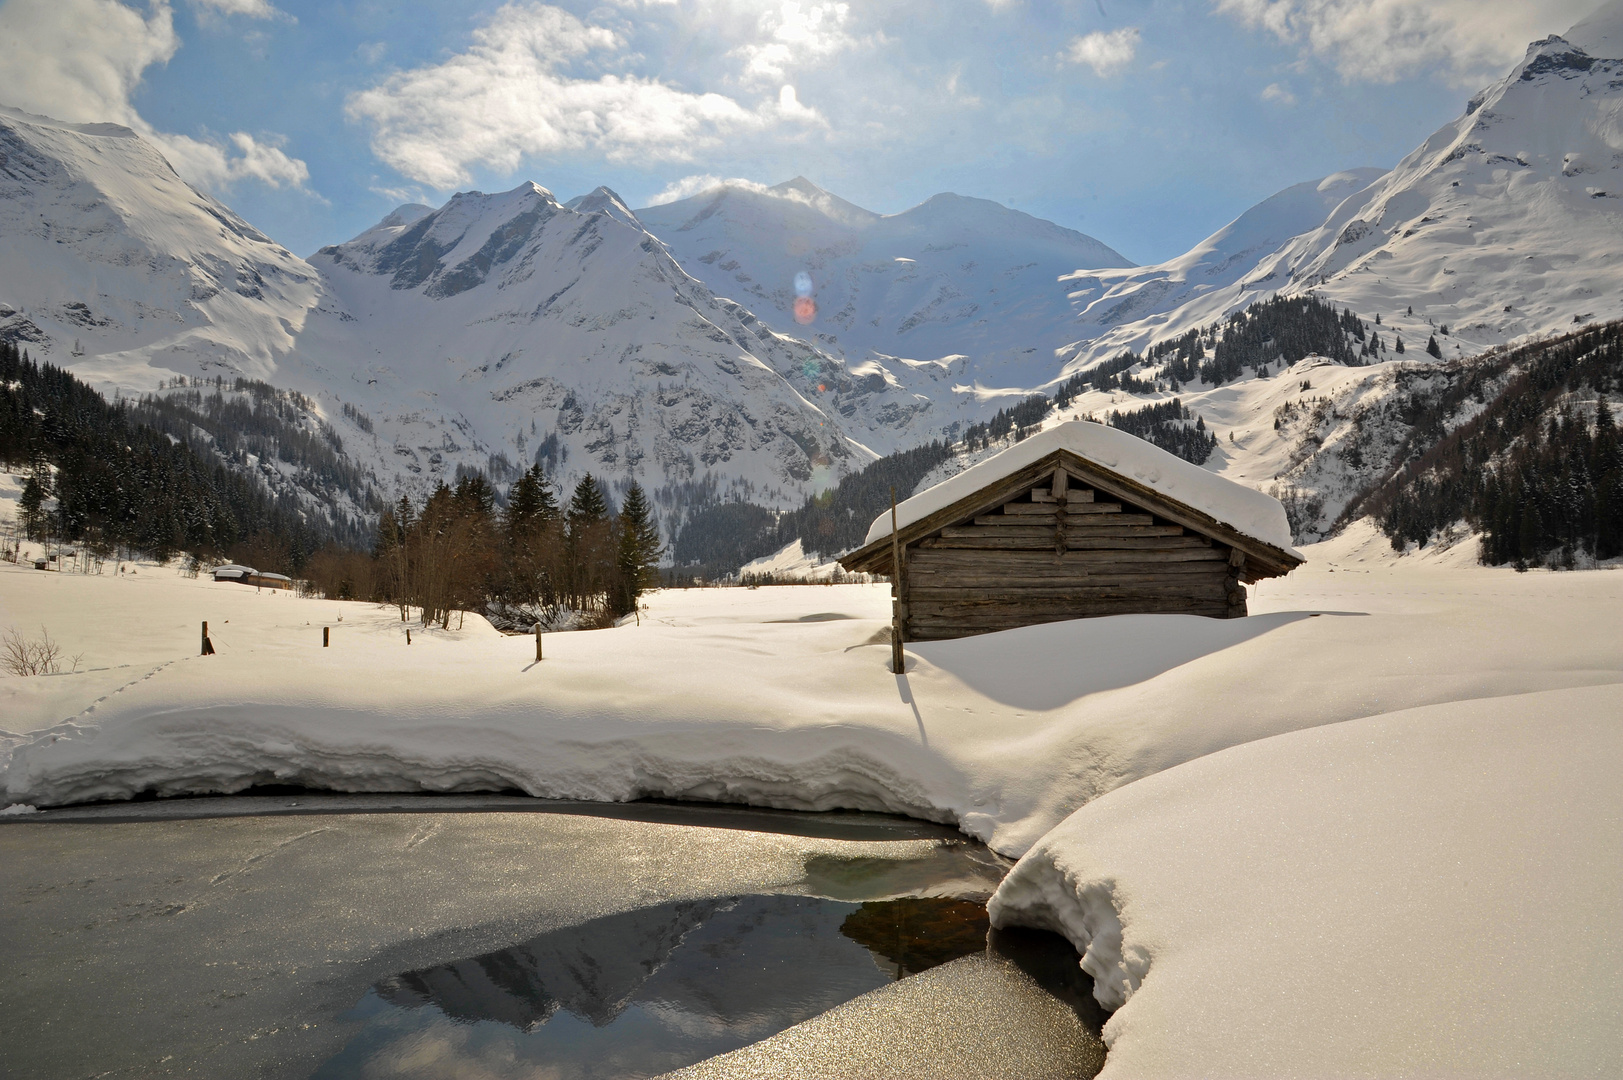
{"x":247,"y":575}
{"x":1076,"y":521}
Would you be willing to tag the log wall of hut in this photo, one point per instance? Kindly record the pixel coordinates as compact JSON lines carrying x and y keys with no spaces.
{"x":1060,"y":551}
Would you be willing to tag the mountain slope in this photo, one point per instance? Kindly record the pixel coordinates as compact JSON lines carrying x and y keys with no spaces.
{"x":510,"y":324}
{"x":1130,"y":308}
{"x":1503,"y":225}
{"x":101,"y":241}
{"x":955,"y":291}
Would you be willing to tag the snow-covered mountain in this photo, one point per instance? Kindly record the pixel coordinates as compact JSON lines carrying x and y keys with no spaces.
{"x":953,"y":292}
{"x":482,"y":333}
{"x":510,"y":324}
{"x":102,"y":243}
{"x":1506,"y":223}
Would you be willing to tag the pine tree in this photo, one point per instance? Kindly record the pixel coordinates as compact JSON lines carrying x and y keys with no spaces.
{"x":1433,"y":348}
{"x":29,"y":507}
{"x":589,"y":545}
{"x":587,"y":505}
{"x":638,"y":550}
{"x":530,"y":502}
{"x":1399,"y":346}
{"x":534,"y":545}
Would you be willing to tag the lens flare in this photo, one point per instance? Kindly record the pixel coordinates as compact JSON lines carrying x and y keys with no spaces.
{"x":805,"y":310}
{"x":803,"y":284}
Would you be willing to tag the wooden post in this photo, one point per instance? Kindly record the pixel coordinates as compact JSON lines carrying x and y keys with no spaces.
{"x":326,"y":636}
{"x":538,"y":643}
{"x":408,"y":635}
{"x":208,"y":646}
{"x":897,"y":663}
{"x":1062,"y":483}
{"x":1233,"y":585}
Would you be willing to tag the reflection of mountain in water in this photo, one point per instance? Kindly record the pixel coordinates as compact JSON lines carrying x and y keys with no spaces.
{"x":591,"y":970}
{"x":742,"y":967}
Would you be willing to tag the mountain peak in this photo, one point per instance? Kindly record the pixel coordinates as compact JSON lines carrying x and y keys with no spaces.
{"x":799,"y":185}
{"x":604,"y":200}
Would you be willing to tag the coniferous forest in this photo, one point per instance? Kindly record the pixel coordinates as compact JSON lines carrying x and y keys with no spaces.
{"x":119,"y":482}
{"x":1539,"y":471}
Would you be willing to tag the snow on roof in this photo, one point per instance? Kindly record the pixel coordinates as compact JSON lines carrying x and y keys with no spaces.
{"x":234,"y":569}
{"x":1243,"y":509}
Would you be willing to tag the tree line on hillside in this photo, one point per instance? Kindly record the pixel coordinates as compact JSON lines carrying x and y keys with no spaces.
{"x":1539,"y":471}
{"x":251,"y":425}
{"x":116,"y":481}
{"x":1169,"y":425}
{"x":532,"y":560}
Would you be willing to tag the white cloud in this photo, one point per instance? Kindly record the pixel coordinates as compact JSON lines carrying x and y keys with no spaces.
{"x":253,"y":9}
{"x":1465,"y":41}
{"x":1280,"y":94}
{"x":689,"y":186}
{"x":508,"y":97}
{"x":84,"y":58}
{"x":211,"y":164}
{"x":1106,"y":52}
{"x":79,"y":60}
{"x":795,"y":34}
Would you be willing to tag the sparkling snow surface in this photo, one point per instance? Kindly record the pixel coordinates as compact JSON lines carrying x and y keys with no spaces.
{"x":1245,"y":509}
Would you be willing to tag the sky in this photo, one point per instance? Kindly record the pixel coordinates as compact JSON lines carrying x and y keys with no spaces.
{"x":1146,"y":124}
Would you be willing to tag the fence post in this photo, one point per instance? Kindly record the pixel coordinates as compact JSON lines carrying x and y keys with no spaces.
{"x":538,"y":642}
{"x":208,"y":646}
{"x":408,"y":635}
{"x":326,"y":636}
{"x":898,"y":663}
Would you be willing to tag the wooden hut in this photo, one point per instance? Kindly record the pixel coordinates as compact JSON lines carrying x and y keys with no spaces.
{"x":1076,"y":521}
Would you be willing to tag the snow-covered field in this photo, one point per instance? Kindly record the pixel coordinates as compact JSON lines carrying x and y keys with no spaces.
{"x":1370,"y":830}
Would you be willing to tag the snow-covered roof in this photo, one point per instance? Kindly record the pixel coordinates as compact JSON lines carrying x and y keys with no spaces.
{"x":1243,"y":509}
{"x":233,"y":570}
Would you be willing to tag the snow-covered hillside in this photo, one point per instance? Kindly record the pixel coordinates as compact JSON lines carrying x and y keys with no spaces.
{"x":1135,"y":306}
{"x":955,"y":292}
{"x":1503,"y":225}
{"x":102,"y":244}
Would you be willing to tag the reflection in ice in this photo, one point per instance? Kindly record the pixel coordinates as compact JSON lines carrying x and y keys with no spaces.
{"x":647,"y":991}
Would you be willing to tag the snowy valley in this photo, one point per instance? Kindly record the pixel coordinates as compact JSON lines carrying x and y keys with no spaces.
{"x":1365,"y":824}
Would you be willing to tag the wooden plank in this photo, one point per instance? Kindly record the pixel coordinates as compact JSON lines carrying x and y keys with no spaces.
{"x":1063,"y":578}
{"x":948,"y":561}
{"x":936,"y":627}
{"x":1082,"y":602}
{"x":1112,"y":527}
{"x":1048,"y":510}
{"x":1036,"y":590}
{"x":1001,"y":541}
{"x":1071,"y":521}
{"x":1129,"y":606}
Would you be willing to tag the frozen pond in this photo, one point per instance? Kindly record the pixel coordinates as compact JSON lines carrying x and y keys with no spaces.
{"x":299,"y":936}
